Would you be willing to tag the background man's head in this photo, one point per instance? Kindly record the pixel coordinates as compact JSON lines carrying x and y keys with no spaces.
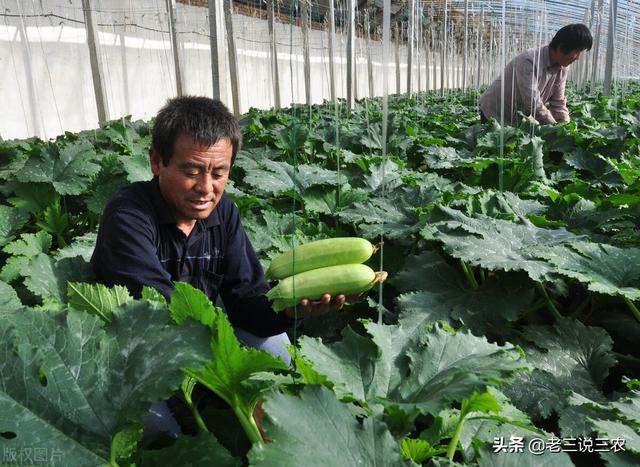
{"x":572,"y":37}
{"x":568,"y":43}
{"x":206,"y":120}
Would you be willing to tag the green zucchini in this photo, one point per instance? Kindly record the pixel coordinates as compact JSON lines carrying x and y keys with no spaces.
{"x":320,"y":254}
{"x":347,"y":279}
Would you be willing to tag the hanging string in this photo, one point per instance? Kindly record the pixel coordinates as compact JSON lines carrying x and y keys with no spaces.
{"x":386,"y":24}
{"x":293,"y":149}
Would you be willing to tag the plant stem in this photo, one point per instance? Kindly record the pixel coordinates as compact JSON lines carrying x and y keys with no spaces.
{"x":581,"y":307}
{"x":470,"y":277}
{"x":248,"y":424}
{"x":633,"y":308}
{"x":453,"y":444}
{"x":552,"y":306}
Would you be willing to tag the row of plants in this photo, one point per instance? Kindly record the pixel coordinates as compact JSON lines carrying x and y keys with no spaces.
{"x":510,"y":313}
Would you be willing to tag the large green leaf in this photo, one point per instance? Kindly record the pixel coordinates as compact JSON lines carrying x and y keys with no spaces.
{"x":203,"y":450}
{"x":21,"y":251}
{"x":11,"y":221}
{"x":443,"y":292}
{"x":9,"y":300}
{"x":189,"y":302}
{"x":137,"y":167}
{"x":480,"y":427}
{"x":416,"y":371}
{"x":68,"y":381}
{"x":568,"y":355}
{"x":97,"y":298}
{"x":317,"y":430}
{"x":603,"y":268}
{"x":230,"y":374}
{"x":498,"y":244}
{"x":273,"y":177}
{"x":601,"y":171}
{"x":47,"y":277}
{"x":82,"y":245}
{"x":33,"y":197}
{"x":69,"y":169}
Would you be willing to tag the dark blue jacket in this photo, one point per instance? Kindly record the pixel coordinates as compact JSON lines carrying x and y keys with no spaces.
{"x":139,"y":244}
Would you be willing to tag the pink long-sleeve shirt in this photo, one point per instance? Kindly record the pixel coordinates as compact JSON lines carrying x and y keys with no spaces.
{"x":531,"y":81}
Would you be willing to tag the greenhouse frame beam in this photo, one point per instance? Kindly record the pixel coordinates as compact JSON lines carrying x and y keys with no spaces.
{"x":410,"y":42}
{"x":216,"y":33}
{"x":596,"y":52}
{"x":175,"y":46}
{"x":233,"y":56}
{"x":444,"y":48}
{"x":611,"y":37}
{"x":306,"y":19}
{"x":332,"y":39}
{"x":466,"y":48}
{"x":350,"y":51}
{"x":96,"y":70}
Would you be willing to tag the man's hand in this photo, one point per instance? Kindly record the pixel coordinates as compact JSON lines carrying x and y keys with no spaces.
{"x":326,"y":304}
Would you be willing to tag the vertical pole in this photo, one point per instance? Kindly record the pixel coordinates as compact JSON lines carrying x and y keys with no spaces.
{"x":171,"y":12}
{"x":410,"y":34}
{"x":216,"y":32}
{"x":96,"y":72}
{"x":444,"y":47}
{"x":233,"y":62}
{"x":332,"y":38}
{"x":479,"y":49}
{"x":466,"y":48}
{"x":271,"y":18}
{"x":33,"y":97}
{"x":397,"y":59}
{"x":304,"y":11}
{"x":596,"y":51}
{"x":351,"y":18}
{"x":589,"y":58}
{"x":367,"y":25}
{"x":427,"y":58}
{"x":125,"y":74}
{"x":435,"y":57}
{"x":608,"y":69}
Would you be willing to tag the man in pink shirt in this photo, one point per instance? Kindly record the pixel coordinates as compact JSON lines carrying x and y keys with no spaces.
{"x":537,"y":77}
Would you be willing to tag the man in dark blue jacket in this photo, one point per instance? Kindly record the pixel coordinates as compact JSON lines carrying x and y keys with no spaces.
{"x":180,"y":226}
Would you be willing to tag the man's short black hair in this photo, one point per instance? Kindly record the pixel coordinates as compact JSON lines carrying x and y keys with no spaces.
{"x":572,"y":37}
{"x":206,"y":120}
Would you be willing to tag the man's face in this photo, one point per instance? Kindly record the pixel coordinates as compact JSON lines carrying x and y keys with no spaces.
{"x":566,"y":59}
{"x":193,"y":182}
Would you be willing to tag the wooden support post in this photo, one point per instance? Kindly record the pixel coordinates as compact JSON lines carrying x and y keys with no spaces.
{"x":275,"y":75}
{"x":367,"y":25}
{"x":96,"y":69}
{"x":410,"y":47}
{"x":397,"y":59}
{"x":216,"y":33}
{"x":596,"y":51}
{"x":466,"y":47}
{"x":175,"y":46}
{"x":611,"y":38}
{"x":332,"y":39}
{"x":351,"y":26}
{"x":233,"y":56}
{"x":305,"y":13}
{"x":444,"y":48}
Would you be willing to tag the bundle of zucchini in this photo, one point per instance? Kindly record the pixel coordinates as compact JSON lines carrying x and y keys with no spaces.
{"x":331,"y":266}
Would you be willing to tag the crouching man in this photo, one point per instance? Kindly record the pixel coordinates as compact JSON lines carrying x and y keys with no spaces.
{"x":180,"y":226}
